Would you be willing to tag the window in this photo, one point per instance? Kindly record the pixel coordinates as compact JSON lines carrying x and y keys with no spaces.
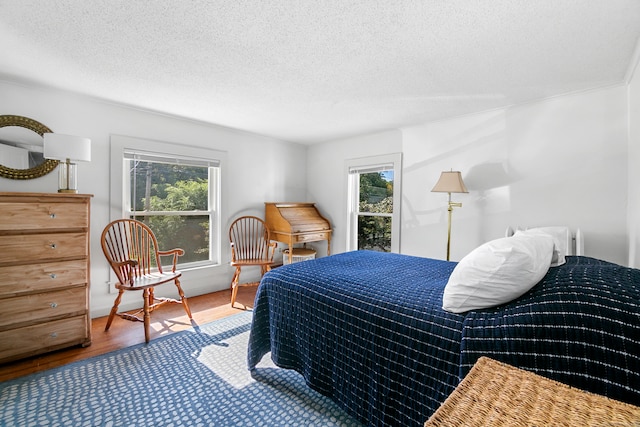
{"x":175,"y":190}
{"x":374,"y":203}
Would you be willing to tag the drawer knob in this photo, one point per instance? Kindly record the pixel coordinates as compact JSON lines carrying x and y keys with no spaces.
{"x":53,"y":335}
{"x":52,"y":245}
{"x":53,"y":305}
{"x":52,"y":215}
{"x":53,"y":275}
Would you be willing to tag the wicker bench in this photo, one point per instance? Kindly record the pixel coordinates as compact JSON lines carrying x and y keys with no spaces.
{"x":496,"y":394}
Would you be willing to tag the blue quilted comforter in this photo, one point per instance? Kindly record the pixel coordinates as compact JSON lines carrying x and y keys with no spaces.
{"x":367,"y":329}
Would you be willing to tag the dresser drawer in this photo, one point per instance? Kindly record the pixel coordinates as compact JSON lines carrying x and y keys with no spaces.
{"x":38,"y":308}
{"x":21,"y":249}
{"x":15,"y":216}
{"x":36,"y":339}
{"x":41,"y":277}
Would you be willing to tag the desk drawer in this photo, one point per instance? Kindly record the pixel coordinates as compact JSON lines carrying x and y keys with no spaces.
{"x":36,"y":308}
{"x":24,"y":249}
{"x":311,"y":237}
{"x":36,"y":339}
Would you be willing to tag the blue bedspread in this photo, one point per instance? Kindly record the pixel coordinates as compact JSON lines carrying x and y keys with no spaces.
{"x":368,"y":330}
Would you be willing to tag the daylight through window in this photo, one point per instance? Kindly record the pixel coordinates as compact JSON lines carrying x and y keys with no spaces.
{"x":373,"y":206}
{"x":176,"y":197}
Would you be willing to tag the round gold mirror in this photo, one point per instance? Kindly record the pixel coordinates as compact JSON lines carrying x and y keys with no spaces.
{"x":21,"y":150}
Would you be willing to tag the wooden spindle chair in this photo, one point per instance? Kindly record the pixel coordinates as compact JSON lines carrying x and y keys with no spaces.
{"x":251,"y":245}
{"x":132,"y":251}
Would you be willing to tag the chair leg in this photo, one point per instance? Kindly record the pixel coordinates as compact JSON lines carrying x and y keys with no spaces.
{"x":114,"y":309}
{"x":152,"y":296}
{"x":183,"y":299}
{"x":147,"y":315}
{"x":234,"y":286}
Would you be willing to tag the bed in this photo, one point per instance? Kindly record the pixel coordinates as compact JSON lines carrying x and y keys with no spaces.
{"x":368,"y":330}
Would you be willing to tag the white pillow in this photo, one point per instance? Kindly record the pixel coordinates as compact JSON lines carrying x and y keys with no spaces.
{"x":497,"y":272}
{"x":561,"y":241}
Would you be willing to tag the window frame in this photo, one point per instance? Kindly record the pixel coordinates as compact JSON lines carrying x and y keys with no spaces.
{"x":353,"y":169}
{"x":120,"y":184}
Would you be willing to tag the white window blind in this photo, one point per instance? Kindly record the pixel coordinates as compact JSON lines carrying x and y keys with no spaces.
{"x":171,"y":159}
{"x":371,"y":168}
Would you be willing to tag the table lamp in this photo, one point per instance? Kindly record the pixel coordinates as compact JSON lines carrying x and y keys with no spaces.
{"x":67,"y":149}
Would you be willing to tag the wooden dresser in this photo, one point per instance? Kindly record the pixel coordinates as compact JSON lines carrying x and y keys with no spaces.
{"x":44,"y":273}
{"x":293,"y":223}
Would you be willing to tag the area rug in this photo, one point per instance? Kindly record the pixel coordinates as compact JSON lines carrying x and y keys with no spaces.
{"x":197,"y":377}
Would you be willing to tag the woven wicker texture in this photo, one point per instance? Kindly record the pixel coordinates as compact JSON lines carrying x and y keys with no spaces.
{"x":496,"y":394}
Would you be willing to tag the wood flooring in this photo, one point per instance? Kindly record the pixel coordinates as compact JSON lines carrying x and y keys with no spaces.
{"x":123,"y":333}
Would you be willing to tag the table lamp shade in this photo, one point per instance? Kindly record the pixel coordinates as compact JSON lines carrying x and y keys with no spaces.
{"x":68,"y":149}
{"x":63,"y":147}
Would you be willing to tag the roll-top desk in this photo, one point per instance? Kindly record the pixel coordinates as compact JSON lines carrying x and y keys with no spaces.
{"x":44,"y":273}
{"x":293,"y":223}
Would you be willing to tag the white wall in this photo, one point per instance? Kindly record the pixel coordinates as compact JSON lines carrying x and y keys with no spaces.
{"x":561,"y":161}
{"x":327,"y":181}
{"x":634,"y":166}
{"x":259,"y":170}
{"x":556,"y":162}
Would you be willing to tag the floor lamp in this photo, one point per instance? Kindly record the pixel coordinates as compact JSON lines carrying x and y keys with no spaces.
{"x":450,"y":182}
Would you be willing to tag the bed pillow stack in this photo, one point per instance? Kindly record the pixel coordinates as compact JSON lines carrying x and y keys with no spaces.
{"x":499,"y":271}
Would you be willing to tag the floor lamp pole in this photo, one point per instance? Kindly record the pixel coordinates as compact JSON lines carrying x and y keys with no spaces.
{"x":450,"y":211}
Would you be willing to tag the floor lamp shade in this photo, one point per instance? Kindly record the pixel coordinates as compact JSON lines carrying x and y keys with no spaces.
{"x":450,"y":182}
{"x":68,"y":149}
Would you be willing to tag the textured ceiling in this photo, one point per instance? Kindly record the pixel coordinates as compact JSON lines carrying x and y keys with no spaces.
{"x":314,"y":70}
